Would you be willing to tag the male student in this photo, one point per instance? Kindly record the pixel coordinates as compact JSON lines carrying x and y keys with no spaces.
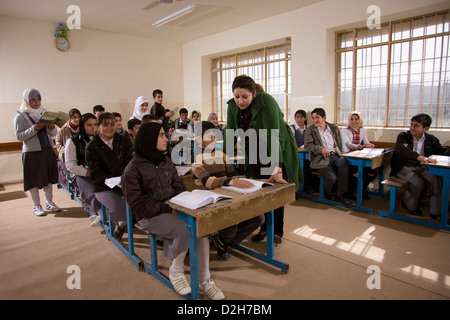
{"x":412,"y":148}
{"x":323,"y":142}
{"x":160,"y":112}
{"x":133,"y":128}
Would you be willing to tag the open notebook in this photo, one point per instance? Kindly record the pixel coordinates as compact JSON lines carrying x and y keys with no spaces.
{"x":197,"y":198}
{"x":257,"y":186}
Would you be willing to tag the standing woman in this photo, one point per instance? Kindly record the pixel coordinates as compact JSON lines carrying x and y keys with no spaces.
{"x":251,"y":109}
{"x":40,"y":170}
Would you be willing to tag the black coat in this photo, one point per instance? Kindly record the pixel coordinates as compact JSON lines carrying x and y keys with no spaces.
{"x":105,"y":163}
{"x":404,"y":154}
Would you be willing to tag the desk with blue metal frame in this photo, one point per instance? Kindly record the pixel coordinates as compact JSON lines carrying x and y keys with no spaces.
{"x":363,"y":160}
{"x":212,"y":218}
{"x":442,"y":169}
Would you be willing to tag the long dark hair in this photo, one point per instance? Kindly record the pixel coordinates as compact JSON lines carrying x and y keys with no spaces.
{"x":244,"y":82}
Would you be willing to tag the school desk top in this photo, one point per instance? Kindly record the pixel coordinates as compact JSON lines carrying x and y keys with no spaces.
{"x":241,"y":207}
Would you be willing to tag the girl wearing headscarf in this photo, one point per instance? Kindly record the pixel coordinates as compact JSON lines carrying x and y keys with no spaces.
{"x":40,"y":170}
{"x":140,"y":108}
{"x":354,"y":137}
{"x":149,"y":180}
{"x":76,"y":164}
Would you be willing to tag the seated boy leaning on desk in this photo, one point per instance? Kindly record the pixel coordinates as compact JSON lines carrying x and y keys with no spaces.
{"x":213,"y":168}
{"x":323,"y":141}
{"x":412,"y":148}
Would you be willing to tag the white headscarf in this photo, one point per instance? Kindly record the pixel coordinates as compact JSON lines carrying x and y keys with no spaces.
{"x":137,"y":111}
{"x":25,"y":106}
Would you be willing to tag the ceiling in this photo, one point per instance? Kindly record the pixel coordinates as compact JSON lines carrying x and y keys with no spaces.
{"x":128,"y":16}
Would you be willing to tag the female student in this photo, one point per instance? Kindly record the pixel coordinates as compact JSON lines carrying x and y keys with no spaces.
{"x":107,"y":155}
{"x":299,"y":128}
{"x":195,"y":117}
{"x":147,"y":182}
{"x":213,"y":118}
{"x":40,"y":170}
{"x":252,"y":110}
{"x":140,"y":108}
{"x":354,"y":137}
{"x":76,"y":163}
{"x":69,"y":129}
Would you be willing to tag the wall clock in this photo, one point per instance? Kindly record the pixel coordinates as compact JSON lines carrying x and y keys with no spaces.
{"x":62,"y":44}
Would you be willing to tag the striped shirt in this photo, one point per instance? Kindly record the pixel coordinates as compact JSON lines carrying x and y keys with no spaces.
{"x":213,"y":169}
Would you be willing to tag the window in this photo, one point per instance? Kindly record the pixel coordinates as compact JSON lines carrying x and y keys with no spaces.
{"x":395,"y":72}
{"x":269,"y":67}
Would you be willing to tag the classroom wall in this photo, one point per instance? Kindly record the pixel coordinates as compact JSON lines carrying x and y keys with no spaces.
{"x":312,"y":30}
{"x":100,"y":68}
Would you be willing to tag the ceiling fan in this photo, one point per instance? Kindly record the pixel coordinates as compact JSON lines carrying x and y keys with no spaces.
{"x":157,"y":3}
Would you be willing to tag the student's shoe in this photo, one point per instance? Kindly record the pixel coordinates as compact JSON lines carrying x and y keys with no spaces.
{"x":180,"y":284}
{"x":417,"y":212}
{"x":210,"y":288}
{"x":52,"y":207}
{"x":221,"y":248}
{"x":97,"y":221}
{"x":38,"y":211}
{"x":259,"y":237}
{"x":93,"y":217}
{"x":118,"y":233}
{"x":345,"y":201}
{"x":276,"y":239}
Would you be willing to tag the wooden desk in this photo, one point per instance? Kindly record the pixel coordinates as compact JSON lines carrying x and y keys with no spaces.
{"x":228,"y":212}
{"x":374,"y":161}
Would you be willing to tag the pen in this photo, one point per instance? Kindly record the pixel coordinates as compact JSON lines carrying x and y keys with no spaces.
{"x":222,"y":204}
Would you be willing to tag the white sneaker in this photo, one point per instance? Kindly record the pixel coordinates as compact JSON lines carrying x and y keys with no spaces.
{"x":93,"y":217}
{"x":52,"y":207}
{"x":210,"y":288}
{"x":38,"y":211}
{"x":180,"y":284}
{"x":97,"y":221}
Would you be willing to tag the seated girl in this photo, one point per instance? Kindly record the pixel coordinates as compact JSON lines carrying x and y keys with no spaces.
{"x":354,"y":137}
{"x":76,"y":164}
{"x":148,"y":182}
{"x":107,"y":155}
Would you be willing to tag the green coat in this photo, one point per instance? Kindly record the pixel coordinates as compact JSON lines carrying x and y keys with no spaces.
{"x":266,"y":114}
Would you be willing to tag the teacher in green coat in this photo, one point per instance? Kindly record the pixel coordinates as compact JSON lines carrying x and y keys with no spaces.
{"x":270,"y":148}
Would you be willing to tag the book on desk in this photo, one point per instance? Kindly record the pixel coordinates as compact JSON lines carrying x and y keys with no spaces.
{"x":257,"y":185}
{"x":197,"y":198}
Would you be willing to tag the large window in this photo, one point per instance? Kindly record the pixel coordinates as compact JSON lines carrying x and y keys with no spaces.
{"x":269,"y":66}
{"x":395,"y":72}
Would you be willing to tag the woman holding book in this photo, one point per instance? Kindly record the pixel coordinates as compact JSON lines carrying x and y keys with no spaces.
{"x":40,"y":170}
{"x":149,"y":180}
{"x":257,"y":112}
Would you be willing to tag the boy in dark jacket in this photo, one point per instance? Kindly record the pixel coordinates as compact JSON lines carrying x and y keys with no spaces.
{"x":412,"y":148}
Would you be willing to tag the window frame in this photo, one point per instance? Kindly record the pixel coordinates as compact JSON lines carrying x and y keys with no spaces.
{"x":390,"y":43}
{"x":265,"y":62}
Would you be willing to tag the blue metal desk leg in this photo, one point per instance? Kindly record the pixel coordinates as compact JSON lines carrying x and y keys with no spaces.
{"x":445,"y":196}
{"x":193,"y":257}
{"x":359,"y":186}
